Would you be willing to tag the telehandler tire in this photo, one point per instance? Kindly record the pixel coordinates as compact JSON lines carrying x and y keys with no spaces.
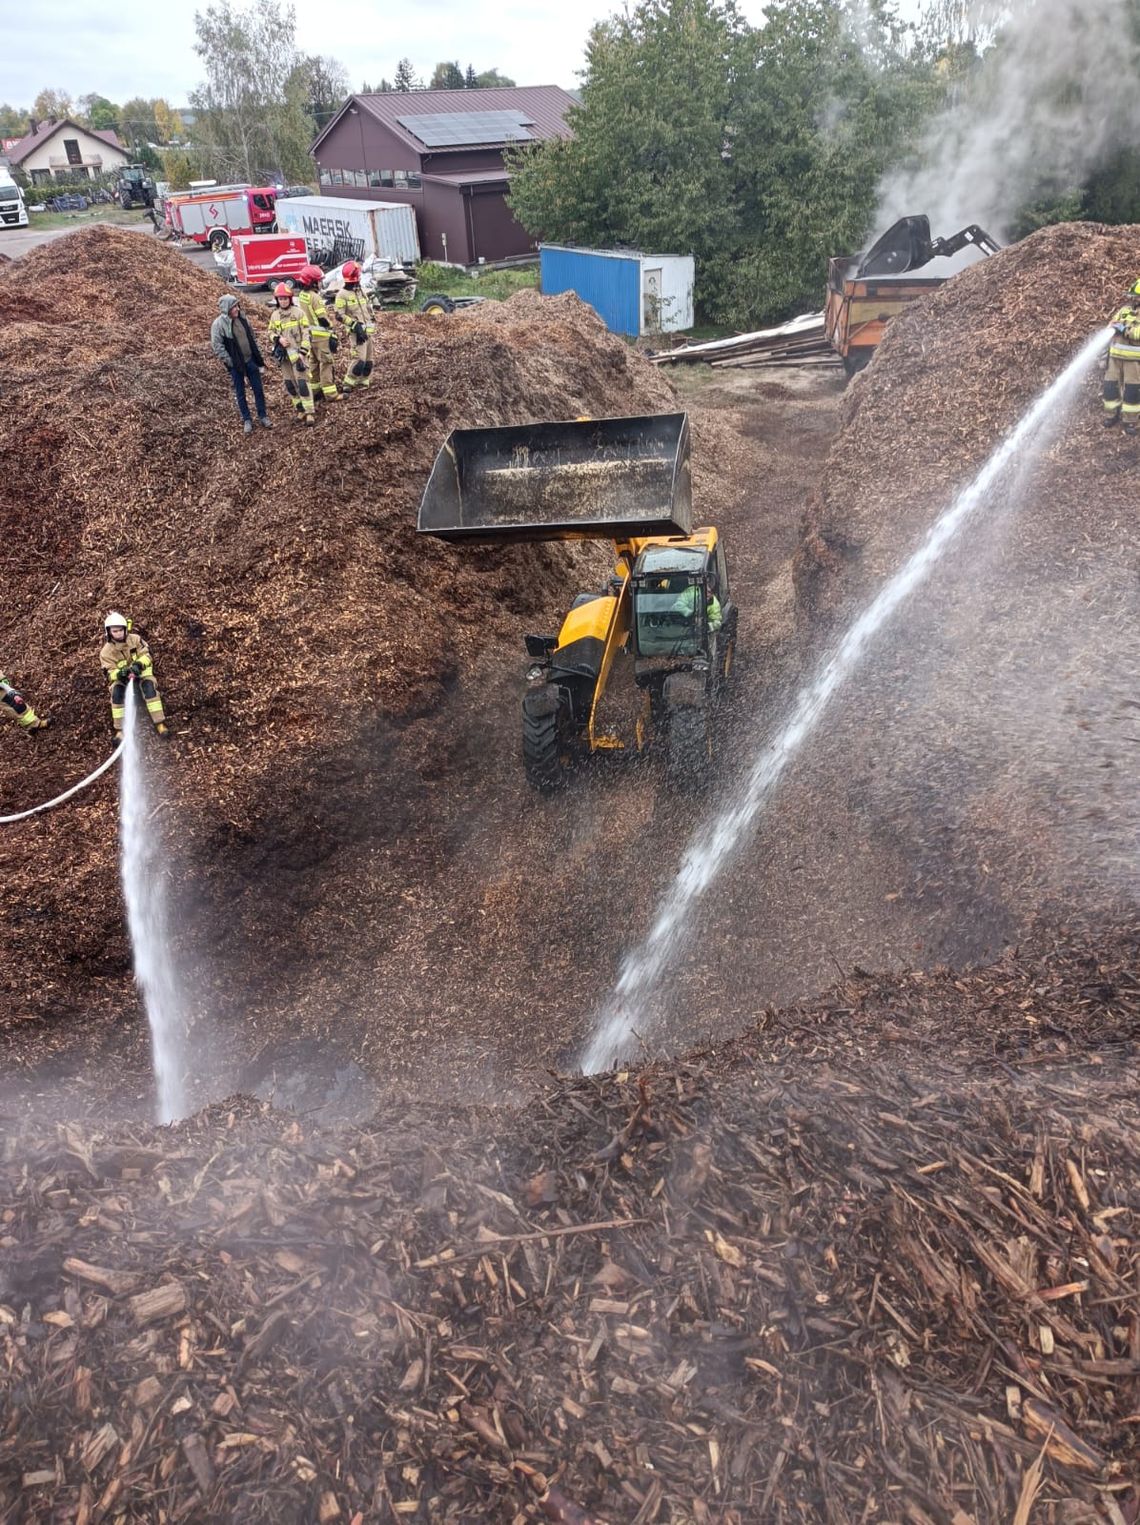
{"x":688,"y":755}
{"x":544,"y":740}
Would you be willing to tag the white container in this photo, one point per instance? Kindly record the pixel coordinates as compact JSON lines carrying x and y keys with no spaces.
{"x":384,"y":229}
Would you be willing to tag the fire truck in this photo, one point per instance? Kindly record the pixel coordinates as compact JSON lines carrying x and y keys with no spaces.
{"x":212,"y":215}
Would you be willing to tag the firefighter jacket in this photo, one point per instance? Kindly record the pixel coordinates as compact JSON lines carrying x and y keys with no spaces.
{"x":289,"y":328}
{"x":353,"y":307}
{"x":1125,"y":343}
{"x":316,"y":312}
{"x":117,"y":656}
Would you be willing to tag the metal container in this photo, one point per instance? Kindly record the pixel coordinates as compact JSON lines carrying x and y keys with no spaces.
{"x":590,"y":479}
{"x":343,"y":227}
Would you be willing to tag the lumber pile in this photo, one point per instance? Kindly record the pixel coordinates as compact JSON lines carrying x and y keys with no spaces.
{"x":844,"y":1269}
{"x":800,"y":341}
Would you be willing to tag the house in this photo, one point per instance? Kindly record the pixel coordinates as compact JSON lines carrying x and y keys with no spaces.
{"x":442,"y":151}
{"x":62,"y":150}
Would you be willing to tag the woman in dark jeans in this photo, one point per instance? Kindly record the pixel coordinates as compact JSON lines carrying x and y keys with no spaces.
{"x":234,"y":342}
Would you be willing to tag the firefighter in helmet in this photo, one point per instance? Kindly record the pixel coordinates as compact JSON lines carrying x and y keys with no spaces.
{"x":125,"y":658}
{"x":15,"y":707}
{"x":289,"y":332}
{"x":1122,"y":374}
{"x":323,"y":342}
{"x":354,"y":310}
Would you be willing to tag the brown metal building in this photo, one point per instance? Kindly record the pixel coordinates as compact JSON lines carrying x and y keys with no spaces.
{"x":442,"y":151}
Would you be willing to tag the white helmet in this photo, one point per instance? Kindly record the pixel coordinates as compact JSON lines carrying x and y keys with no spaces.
{"x":115,"y":619}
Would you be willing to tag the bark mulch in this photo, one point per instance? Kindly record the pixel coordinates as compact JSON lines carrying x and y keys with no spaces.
{"x":876,"y":1260}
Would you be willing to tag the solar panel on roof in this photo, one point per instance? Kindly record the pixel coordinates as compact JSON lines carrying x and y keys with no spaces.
{"x":459,"y":129}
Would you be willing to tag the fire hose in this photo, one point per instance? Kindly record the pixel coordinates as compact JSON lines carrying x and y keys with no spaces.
{"x":22,"y":815}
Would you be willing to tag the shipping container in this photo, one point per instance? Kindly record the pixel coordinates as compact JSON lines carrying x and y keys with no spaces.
{"x":340,"y":227}
{"x":261,"y":259}
{"x":632,"y":293}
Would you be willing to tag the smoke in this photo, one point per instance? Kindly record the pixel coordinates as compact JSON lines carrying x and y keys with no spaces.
{"x":1057,"y":94}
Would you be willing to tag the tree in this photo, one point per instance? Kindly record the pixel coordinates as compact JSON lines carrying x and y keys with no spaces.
{"x":251,"y":116}
{"x":471,"y":79}
{"x":167,"y":122}
{"x":138,"y":125}
{"x":446,"y":76}
{"x":13,"y":121}
{"x":52,"y":103}
{"x":100,"y":114}
{"x":406,"y":76}
{"x":491,"y":79}
{"x":646,"y":165}
{"x":757,"y":150}
{"x":325,"y":84}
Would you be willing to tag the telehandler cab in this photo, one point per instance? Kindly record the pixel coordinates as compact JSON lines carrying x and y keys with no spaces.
{"x":645,"y":660}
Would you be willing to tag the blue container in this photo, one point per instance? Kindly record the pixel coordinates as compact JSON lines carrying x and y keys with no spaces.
{"x":611,"y":283}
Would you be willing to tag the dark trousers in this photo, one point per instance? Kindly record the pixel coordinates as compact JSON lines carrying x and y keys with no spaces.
{"x":240,"y":375}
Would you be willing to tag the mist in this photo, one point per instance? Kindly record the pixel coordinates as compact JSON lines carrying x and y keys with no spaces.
{"x":1054,"y":98}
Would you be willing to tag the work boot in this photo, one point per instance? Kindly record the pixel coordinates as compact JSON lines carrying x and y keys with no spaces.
{"x":117,"y":736}
{"x":310,"y":418}
{"x":1132,"y":430}
{"x":247,"y":427}
{"x":1110,"y":419}
{"x":264,"y":422}
{"x":162,"y":728}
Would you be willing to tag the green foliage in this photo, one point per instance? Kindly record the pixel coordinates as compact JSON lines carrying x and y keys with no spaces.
{"x":1113,"y":192}
{"x":253,"y":108}
{"x":324,"y":83}
{"x":13,"y":121}
{"x":490,"y":79}
{"x":497,"y":284}
{"x":470,"y":79}
{"x":98,"y":113}
{"x":446,"y":76}
{"x":405,"y":76}
{"x":759,"y":151}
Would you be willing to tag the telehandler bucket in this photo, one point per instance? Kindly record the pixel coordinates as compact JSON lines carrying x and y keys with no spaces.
{"x":595,"y":479}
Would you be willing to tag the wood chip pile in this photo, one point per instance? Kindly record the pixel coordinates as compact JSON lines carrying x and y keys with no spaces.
{"x":293,"y":611}
{"x":954,"y":373}
{"x":872,"y":1262}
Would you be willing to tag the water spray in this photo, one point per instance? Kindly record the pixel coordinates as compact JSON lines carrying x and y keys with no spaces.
{"x":624,"y":1016}
{"x":144,"y":890}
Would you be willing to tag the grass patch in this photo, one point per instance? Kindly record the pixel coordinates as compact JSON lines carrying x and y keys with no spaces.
{"x":496,"y":284}
{"x":42,"y":221}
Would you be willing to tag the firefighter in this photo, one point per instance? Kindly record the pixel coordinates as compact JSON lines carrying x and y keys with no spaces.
{"x":354,"y":310}
{"x":15,"y":707}
{"x":322,"y":377}
{"x":289,"y":331}
{"x":126,"y":658}
{"x":1122,"y":374}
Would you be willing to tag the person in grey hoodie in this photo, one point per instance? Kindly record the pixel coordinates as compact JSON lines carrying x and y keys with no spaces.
{"x":234,"y":342}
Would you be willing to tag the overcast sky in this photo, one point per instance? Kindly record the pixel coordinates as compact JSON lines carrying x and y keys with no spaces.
{"x":140,"y":47}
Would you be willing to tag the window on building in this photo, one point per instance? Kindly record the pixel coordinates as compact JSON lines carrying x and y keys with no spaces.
{"x":337,"y":177}
{"x":41,"y":176}
{"x":360,"y":178}
{"x":325,"y":176}
{"x":414,"y":182}
{"x":71,"y":149}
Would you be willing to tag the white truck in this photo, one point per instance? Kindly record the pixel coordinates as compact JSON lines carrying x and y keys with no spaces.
{"x":13,"y":212}
{"x":337,"y":228}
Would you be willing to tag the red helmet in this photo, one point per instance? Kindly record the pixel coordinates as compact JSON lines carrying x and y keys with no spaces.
{"x":283,"y":289}
{"x":311,"y":275}
{"x":351,"y":271}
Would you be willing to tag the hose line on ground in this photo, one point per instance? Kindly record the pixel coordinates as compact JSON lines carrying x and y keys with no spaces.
{"x":22,"y":815}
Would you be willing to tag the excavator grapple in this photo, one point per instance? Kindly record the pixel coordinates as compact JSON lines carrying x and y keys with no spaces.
{"x":644,"y":659}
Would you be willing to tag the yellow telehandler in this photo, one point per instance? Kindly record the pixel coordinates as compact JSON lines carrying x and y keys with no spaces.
{"x":646,"y":659}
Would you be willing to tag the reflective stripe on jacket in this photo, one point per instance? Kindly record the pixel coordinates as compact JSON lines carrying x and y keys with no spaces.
{"x":1125,"y":345}
{"x":352,"y":306}
{"x":289,"y":328}
{"x":312,"y":304}
{"x":116,"y":654}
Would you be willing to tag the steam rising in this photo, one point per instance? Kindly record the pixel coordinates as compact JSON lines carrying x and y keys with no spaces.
{"x":1057,"y":95}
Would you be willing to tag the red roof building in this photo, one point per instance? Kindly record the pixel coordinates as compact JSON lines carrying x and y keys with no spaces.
{"x":441,"y":151}
{"x":63,"y":150}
